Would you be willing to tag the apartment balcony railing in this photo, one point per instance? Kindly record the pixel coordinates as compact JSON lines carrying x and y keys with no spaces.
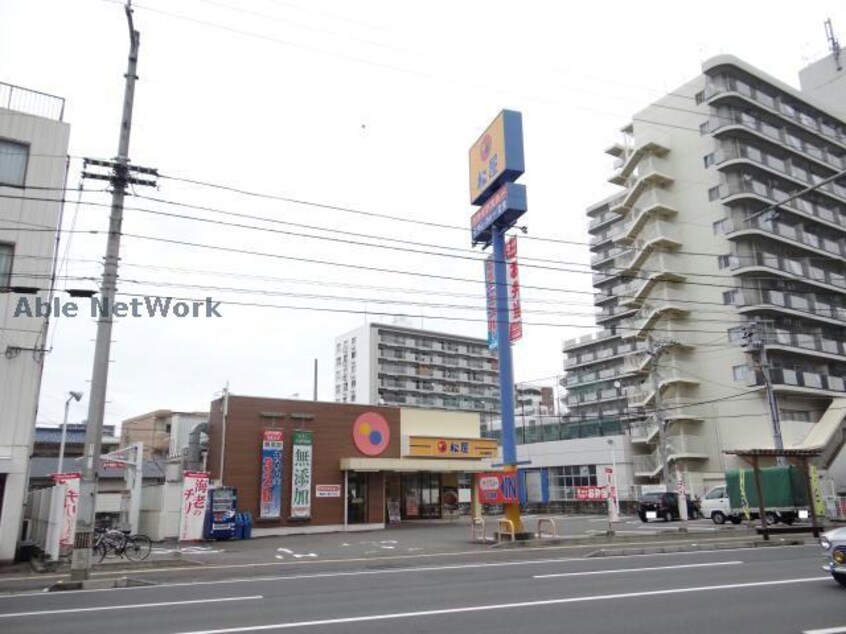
{"x":828,"y":214}
{"x":606,"y":255}
{"x":587,"y":340}
{"x":787,"y":379}
{"x":779,"y":135}
{"x":793,"y":234}
{"x":808,"y":304}
{"x":784,"y":168}
{"x":811,"y":343}
{"x":791,"y":266}
{"x":727,"y":86}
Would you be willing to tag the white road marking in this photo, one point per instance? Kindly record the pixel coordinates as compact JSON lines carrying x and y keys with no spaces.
{"x":361,"y":559}
{"x":619,"y":570}
{"x":503,"y":606}
{"x":130,"y":606}
{"x":479,"y":553}
{"x":828,"y":630}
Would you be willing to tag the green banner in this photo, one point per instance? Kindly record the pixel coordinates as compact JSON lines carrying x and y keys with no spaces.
{"x":302,"y":446}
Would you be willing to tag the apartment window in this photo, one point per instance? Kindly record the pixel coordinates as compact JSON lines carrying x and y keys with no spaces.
{"x":720,"y":226}
{"x":724,"y":261}
{"x":13,"y":160}
{"x":574,"y":475}
{"x":730,"y":297}
{"x":6,"y":253}
{"x":699,"y":97}
{"x":708,"y":160}
{"x":739,"y":372}
{"x":714,"y":193}
{"x":704,"y":128}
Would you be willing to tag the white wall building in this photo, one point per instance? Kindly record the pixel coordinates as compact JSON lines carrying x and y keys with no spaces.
{"x":400,"y":365}
{"x":685,"y":253}
{"x":33,"y":154}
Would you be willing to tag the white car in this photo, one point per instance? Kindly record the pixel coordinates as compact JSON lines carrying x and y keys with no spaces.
{"x":834,"y":543}
{"x":716,"y":505}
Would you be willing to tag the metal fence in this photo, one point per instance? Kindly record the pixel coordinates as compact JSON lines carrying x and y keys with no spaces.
{"x":31,"y":102}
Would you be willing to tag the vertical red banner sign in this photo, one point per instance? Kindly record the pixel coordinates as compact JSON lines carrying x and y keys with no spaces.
{"x":515,"y":314}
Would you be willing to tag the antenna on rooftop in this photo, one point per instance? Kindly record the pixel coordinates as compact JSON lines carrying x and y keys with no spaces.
{"x":833,"y":43}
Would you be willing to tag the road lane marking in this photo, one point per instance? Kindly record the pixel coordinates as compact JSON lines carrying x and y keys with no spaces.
{"x":500,"y":606}
{"x":130,"y":606}
{"x":828,"y":630}
{"x":619,"y":570}
{"x":203,"y":568}
{"x":42,"y":593}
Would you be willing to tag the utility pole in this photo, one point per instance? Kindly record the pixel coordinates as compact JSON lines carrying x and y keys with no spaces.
{"x":119,"y":178}
{"x":655,"y":350}
{"x":755,"y":345}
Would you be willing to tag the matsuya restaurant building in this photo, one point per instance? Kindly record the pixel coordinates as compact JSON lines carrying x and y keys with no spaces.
{"x":299,"y":465}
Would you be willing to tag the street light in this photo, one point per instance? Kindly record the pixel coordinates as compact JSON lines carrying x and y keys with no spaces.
{"x":74,"y":396}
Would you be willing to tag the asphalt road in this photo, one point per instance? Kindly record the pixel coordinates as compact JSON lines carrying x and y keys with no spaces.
{"x":743,"y":590}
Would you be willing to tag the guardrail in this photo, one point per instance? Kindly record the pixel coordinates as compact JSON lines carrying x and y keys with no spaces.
{"x":551,"y":522}
{"x":475,"y":524}
{"x":40,"y":104}
{"x":506,"y":523}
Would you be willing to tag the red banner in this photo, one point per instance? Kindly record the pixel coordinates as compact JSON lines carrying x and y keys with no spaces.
{"x":498,"y":488}
{"x":515,"y":315}
{"x":587,"y":494}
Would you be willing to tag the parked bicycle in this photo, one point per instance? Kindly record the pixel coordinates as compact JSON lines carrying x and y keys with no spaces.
{"x":115,"y":543}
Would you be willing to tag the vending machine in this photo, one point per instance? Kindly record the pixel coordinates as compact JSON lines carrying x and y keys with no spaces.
{"x":221,"y":514}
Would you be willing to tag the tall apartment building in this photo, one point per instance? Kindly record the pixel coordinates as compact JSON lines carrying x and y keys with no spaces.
{"x":689,"y":252}
{"x":399,"y":365}
{"x":33,"y":159}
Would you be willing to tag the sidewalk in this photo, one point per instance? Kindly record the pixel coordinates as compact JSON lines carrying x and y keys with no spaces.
{"x":407,"y":544}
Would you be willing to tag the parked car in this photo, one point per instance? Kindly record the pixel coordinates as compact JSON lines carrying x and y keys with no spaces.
{"x":664,"y":506}
{"x":834,"y":544}
{"x":717,"y":506}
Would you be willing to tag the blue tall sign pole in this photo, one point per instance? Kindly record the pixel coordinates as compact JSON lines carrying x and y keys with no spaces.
{"x":496,"y":161}
{"x":503,"y":340}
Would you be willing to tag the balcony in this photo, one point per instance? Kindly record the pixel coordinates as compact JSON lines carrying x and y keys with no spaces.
{"x":780,"y":136}
{"x":597,"y":396}
{"x":791,"y":268}
{"x":816,"y":345}
{"x":584,"y":378}
{"x":805,"y":305}
{"x":599,"y":355}
{"x":607,"y":313}
{"x":602,"y":219}
{"x":830,"y":216}
{"x":570,"y":345}
{"x":793,"y":235}
{"x":783,"y":168}
{"x":726,"y":88}
{"x":795,"y":381}
{"x":604,"y":256}
{"x":655,"y":145}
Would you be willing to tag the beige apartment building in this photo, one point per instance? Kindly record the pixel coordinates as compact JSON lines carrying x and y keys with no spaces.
{"x":732,"y":212}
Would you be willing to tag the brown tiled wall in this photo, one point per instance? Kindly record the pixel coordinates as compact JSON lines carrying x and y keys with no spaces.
{"x":333,"y":440}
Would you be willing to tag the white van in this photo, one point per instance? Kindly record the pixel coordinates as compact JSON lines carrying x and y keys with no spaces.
{"x":716,"y":504}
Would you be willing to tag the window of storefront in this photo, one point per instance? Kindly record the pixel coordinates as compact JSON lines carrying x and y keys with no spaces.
{"x":421,"y":495}
{"x":564,"y":480}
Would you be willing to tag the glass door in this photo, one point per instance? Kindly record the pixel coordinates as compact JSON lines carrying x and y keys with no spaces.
{"x":357,"y":498}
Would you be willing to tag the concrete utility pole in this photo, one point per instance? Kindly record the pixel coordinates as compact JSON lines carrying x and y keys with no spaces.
{"x":655,"y":350}
{"x":755,"y":345}
{"x":119,"y":178}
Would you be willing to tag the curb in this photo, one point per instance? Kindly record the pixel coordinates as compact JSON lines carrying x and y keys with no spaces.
{"x":685,"y":548}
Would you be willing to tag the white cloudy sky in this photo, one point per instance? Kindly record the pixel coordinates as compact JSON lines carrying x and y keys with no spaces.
{"x":369,"y":105}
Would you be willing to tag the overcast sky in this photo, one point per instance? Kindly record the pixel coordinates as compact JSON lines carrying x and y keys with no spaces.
{"x":366,"y":105}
